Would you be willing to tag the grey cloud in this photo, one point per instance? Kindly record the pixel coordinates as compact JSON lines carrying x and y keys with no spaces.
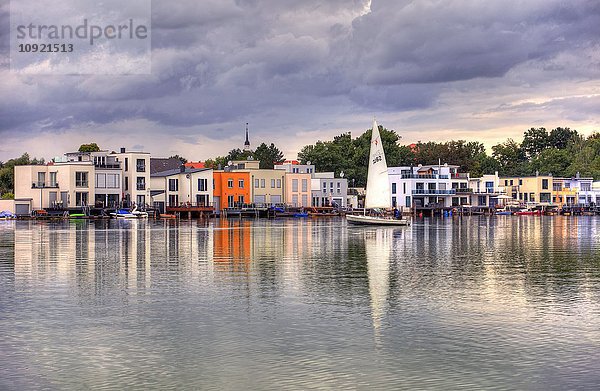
{"x":217,"y":63}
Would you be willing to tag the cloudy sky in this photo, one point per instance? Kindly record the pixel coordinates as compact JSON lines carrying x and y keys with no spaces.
{"x":300,"y":71}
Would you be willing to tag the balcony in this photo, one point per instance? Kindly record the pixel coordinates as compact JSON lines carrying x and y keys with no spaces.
{"x":141,"y":186}
{"x":464,"y":190}
{"x":108,"y":166}
{"x":423,"y":176}
{"x":140,"y":168}
{"x":44,"y":185}
{"x":433,"y":192}
{"x":460,"y":175}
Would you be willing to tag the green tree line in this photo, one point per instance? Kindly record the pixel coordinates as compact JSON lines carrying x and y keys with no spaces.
{"x":560,"y":152}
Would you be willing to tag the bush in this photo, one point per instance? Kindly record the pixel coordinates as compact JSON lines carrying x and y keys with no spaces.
{"x":8,"y":196}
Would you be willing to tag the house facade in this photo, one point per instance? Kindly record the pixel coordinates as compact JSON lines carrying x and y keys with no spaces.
{"x":435,"y":186}
{"x":108,"y":177}
{"x":328,"y":191}
{"x":486,"y":190}
{"x":55,"y":185}
{"x":230,"y":189}
{"x":184,"y":186}
{"x":533,"y":189}
{"x":136,"y":176}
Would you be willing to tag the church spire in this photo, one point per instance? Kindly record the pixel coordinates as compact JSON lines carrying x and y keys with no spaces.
{"x":247,"y":142}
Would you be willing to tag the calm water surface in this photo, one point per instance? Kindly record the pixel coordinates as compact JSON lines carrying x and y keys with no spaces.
{"x":476,"y":303}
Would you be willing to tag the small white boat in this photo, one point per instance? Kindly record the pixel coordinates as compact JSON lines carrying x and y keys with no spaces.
{"x":138,"y":214}
{"x":378,"y":186}
{"x":375,"y":220}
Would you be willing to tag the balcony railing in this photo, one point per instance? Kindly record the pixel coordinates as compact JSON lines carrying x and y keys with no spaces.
{"x":140,"y":168}
{"x":44,"y":185}
{"x":109,"y":166}
{"x":81,"y":183}
{"x":141,"y":186}
{"x":459,"y":175}
{"x":464,"y":190}
{"x":423,"y":176}
{"x":433,"y":192}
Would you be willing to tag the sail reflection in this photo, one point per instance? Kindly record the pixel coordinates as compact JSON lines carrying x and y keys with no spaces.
{"x":378,"y":244}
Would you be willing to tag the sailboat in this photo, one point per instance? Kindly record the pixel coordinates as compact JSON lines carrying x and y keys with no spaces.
{"x":378,"y":186}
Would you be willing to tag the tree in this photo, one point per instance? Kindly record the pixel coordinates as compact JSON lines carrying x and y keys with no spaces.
{"x":535,"y":141}
{"x":561,"y":138}
{"x":217,"y":163}
{"x":181,"y":159}
{"x":511,"y":158}
{"x":268,"y":155}
{"x":552,"y":160}
{"x":92,"y":147}
{"x":238,"y":154}
{"x":7,"y":171}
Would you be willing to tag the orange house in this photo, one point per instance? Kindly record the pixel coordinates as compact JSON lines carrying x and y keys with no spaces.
{"x":231,"y":189}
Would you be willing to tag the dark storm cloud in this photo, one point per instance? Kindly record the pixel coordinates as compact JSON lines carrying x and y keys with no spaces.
{"x":216,"y":62}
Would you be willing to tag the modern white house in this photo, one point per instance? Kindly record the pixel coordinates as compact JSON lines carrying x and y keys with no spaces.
{"x":431,"y":186}
{"x":136,"y":176}
{"x":486,"y":190}
{"x":585,"y":193}
{"x":108,"y":175}
{"x":63,"y":184}
{"x":184,"y":186}
{"x":327,"y":190}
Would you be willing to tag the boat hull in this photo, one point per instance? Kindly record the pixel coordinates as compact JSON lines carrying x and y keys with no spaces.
{"x":372,"y":220}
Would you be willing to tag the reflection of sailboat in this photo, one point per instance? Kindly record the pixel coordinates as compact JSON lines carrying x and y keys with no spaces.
{"x":377,"y":249}
{"x":378,"y":186}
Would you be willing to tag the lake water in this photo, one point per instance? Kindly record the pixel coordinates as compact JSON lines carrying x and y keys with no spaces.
{"x":474,"y":302}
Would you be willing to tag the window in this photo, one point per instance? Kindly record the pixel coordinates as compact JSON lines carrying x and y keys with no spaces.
{"x":81,"y":198}
{"x":294,"y":185}
{"x":230,"y":183}
{"x":173,"y":184}
{"x":140,"y":200}
{"x":482,"y":200}
{"x":506,"y":182}
{"x":394,"y":202}
{"x":279,"y":183}
{"x":339,"y":185}
{"x":112,"y":181}
{"x":202,"y":184}
{"x":393,"y":191}
{"x":408,"y":205}
{"x":241,"y":200}
{"x":544,"y":184}
{"x":140,"y":165}
{"x":404,"y":188}
{"x":520,"y":182}
{"x":53,"y":182}
{"x":256,"y":183}
{"x":81,"y":179}
{"x":126,"y":183}
{"x":545,"y":197}
{"x":230,"y":201}
{"x":241,"y":183}
{"x":100,"y":181}
{"x":41,"y":179}
{"x":141,"y":183}
{"x":173,"y":199}
{"x":331,"y":185}
{"x":126,"y":164}
{"x":584,"y":186}
{"x":262,"y":183}
{"x":213,"y":183}
{"x":511,"y":182}
{"x":304,"y":185}
{"x":272,"y":183}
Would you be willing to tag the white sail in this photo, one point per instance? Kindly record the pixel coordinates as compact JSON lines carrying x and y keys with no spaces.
{"x":378,"y":194}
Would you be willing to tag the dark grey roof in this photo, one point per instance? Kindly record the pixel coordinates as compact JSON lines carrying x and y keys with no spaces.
{"x":163,"y":164}
{"x":178,"y":171}
{"x":156,"y":192}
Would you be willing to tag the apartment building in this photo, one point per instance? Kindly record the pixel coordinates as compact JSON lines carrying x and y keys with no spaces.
{"x":436,"y":186}
{"x":297,"y":182}
{"x":183,"y":186}
{"x":107,"y":174}
{"x":327,"y":190}
{"x":62,"y":184}
{"x":525,"y":189}
{"x":267,"y":186}
{"x":486,"y":190}
{"x":135,"y":176}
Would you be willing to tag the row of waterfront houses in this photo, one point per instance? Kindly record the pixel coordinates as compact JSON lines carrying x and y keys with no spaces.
{"x":126,"y":178}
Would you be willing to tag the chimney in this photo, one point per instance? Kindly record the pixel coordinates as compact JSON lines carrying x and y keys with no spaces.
{"x":182,"y":168}
{"x":122,"y":149}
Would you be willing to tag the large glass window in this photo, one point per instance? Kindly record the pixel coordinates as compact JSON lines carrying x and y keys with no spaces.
{"x":173,"y":185}
{"x":81,"y":179}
